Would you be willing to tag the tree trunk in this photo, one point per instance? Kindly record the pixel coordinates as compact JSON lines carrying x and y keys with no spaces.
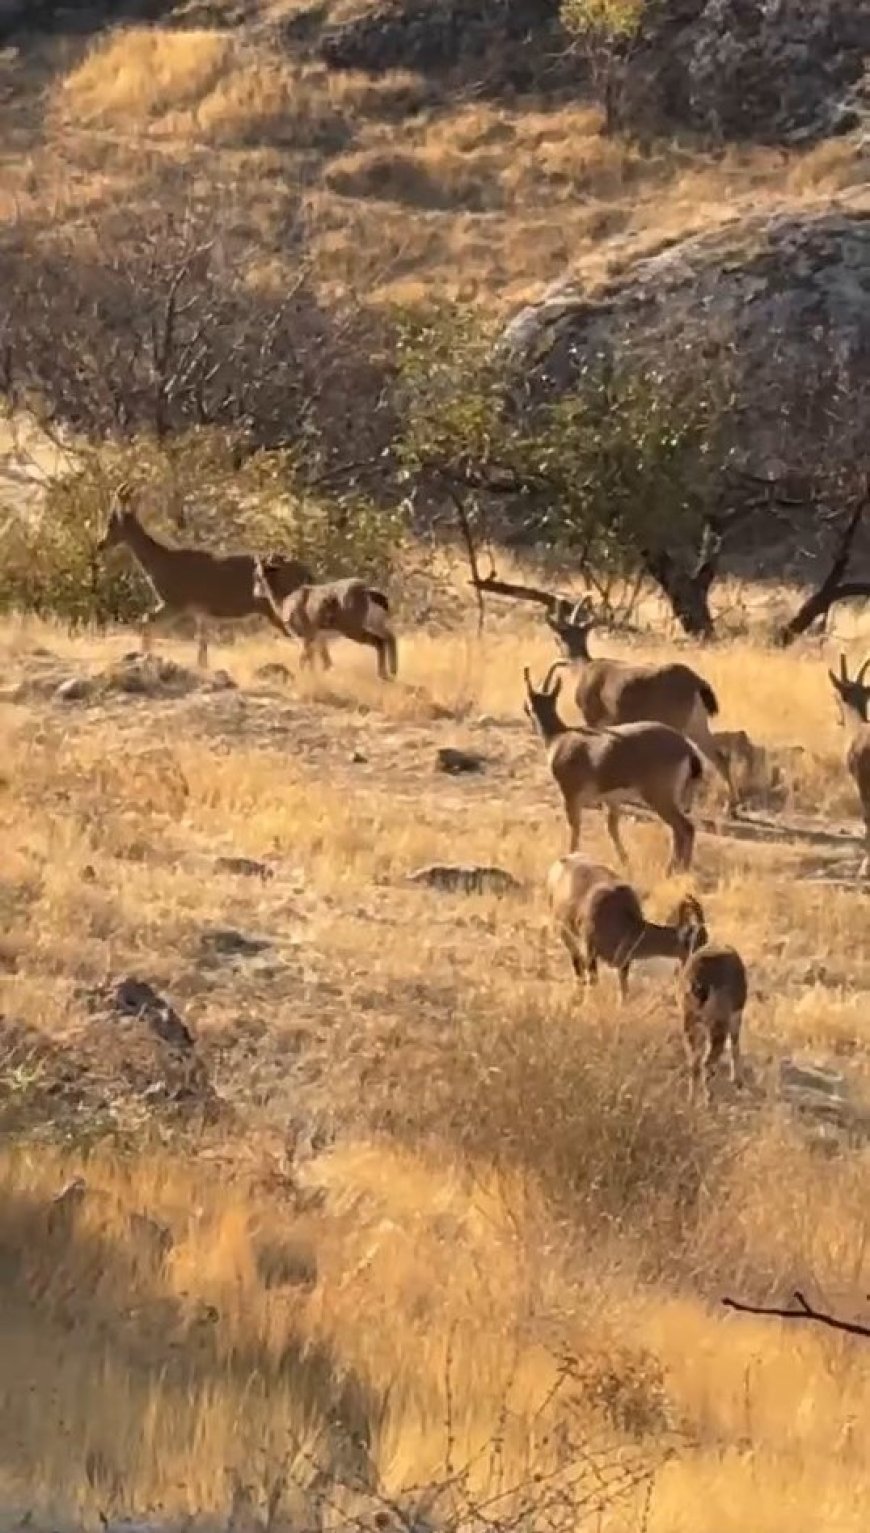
{"x":687,"y":591}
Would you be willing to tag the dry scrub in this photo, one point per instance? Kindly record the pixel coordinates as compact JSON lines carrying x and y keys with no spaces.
{"x":444,"y":1216}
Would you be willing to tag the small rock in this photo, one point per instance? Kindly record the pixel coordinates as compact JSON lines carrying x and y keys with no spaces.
{"x":221,"y":681}
{"x":358,"y":758}
{"x":274,"y":670}
{"x":455,"y":761}
{"x":74,"y":690}
{"x":816,"y":1078}
{"x":464,"y":878}
{"x":245,"y":867}
{"x":226,"y":942}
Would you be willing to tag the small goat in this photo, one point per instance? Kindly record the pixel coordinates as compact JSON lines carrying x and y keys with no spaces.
{"x":349,"y":608}
{"x":193,"y":580}
{"x":854,"y":697}
{"x":713,"y":991}
{"x":615,"y":692}
{"x":608,"y":767}
{"x":599,"y":918}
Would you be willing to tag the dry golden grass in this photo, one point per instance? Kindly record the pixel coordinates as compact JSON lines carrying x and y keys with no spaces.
{"x":405,"y":193}
{"x":497,"y":1180}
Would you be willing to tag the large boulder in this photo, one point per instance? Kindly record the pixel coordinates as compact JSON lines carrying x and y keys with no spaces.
{"x":782,"y":303}
{"x":781,"y":71}
{"x":514,"y":44}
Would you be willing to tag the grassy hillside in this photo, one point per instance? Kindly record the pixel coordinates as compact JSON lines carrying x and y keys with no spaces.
{"x":442,"y":1223}
{"x":406,"y":185}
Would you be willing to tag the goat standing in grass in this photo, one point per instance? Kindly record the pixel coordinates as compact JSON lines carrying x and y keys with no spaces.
{"x":854,"y":698}
{"x":609,"y":767}
{"x":192,"y":580}
{"x":346,"y":608}
{"x":600,"y":919}
{"x":616,"y":692}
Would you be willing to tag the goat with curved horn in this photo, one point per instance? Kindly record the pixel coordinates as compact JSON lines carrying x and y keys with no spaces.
{"x":607,"y":768}
{"x":615,"y":692}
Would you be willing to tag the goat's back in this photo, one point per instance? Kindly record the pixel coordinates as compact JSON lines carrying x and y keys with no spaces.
{"x":570,"y":881}
{"x":714,"y":980}
{"x":647,"y":755}
{"x":615,"y":692}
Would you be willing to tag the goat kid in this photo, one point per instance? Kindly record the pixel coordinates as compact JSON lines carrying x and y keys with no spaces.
{"x":349,"y":608}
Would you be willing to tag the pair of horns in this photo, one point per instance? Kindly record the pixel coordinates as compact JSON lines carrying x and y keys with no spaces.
{"x":557,"y":665}
{"x":576,"y":616}
{"x":858,"y":679}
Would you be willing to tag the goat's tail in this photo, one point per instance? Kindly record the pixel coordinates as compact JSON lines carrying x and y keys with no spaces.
{"x":709,"y":698}
{"x":378,"y":597}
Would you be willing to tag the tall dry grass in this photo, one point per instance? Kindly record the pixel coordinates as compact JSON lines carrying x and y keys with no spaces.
{"x":494,"y":1274}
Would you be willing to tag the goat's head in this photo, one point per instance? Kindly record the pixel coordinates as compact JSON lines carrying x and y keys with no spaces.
{"x":691,"y":926}
{"x":853,"y":694}
{"x":540,"y":705}
{"x":121,"y":516}
{"x":572,"y":626}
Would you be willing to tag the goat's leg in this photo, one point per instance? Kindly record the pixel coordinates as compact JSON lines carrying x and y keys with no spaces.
{"x":622,"y":975}
{"x":323,"y":651}
{"x":735,"y":1060}
{"x":613,"y":823}
{"x":201,"y":644}
{"x":379,"y":645}
{"x":159,"y":616}
{"x":683,"y":834}
{"x":570,"y":940}
{"x":699,"y":732}
{"x":718,"y":1036}
{"x":591,"y":960}
{"x":864,"y":870}
{"x":696,"y":1043}
{"x":573,"y":815}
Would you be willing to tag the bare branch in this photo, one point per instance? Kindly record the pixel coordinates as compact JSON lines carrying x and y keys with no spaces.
{"x":833,"y":588}
{"x":803,"y":1311}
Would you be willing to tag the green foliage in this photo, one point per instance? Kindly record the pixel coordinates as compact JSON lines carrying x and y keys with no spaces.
{"x":621,"y":464}
{"x":200,"y":488}
{"x":606,"y":18}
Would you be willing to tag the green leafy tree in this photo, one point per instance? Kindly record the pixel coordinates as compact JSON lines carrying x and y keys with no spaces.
{"x":618,"y":475}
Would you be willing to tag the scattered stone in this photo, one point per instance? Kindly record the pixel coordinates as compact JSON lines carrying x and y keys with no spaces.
{"x":816,"y":1078}
{"x":76,"y":689}
{"x":455,"y":761}
{"x":221,"y":681}
{"x":464,"y":878}
{"x":226,"y":942}
{"x":274,"y":670}
{"x":244,"y":867}
{"x":358,"y":758}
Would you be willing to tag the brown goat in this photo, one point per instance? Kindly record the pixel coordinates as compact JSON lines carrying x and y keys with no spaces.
{"x":713,"y":989}
{"x":615,"y":692}
{"x":608,"y":767}
{"x":192,"y":580}
{"x":599,"y":918}
{"x":349,"y":608}
{"x":854,"y":697}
